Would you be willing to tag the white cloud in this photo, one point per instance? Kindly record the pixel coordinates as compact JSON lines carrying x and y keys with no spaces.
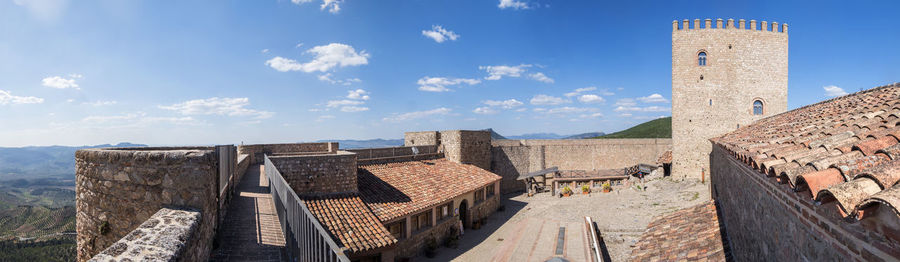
{"x":514,"y":4}
{"x":485,"y":110}
{"x":834,"y":91}
{"x":353,"y":109}
{"x":569,"y":110}
{"x":505,"y":104}
{"x":594,"y":115}
{"x":45,"y":10}
{"x":580,"y":90}
{"x":264,"y":51}
{"x":439,"y":84}
{"x":439,"y":34}
{"x":345,"y":102}
{"x":541,"y":77}
{"x":300,"y":1}
{"x":349,"y":81}
{"x":326,"y":58}
{"x":101,"y":103}
{"x":8,"y":98}
{"x":324,"y":117}
{"x":299,"y":45}
{"x":547,"y":100}
{"x":417,"y":114}
{"x":591,"y":99}
{"x":333,"y":6}
{"x":358,"y":94}
{"x":654,"y":98}
{"x":498,"y":72}
{"x":60,"y":82}
{"x":218,"y":106}
{"x":626,"y":102}
{"x":625,"y":115}
{"x":642,"y":109}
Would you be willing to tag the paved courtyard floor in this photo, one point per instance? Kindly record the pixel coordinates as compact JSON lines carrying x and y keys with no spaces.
{"x":529,"y":227}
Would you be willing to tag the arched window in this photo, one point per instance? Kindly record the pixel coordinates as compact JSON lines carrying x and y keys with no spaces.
{"x":757,"y":107}
{"x":701,"y":59}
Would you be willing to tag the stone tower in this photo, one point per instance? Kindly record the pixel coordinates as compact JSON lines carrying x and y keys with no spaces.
{"x":723,"y":77}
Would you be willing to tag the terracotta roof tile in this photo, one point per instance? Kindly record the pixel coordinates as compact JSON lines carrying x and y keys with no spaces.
{"x":350,"y":221}
{"x":687,"y":234}
{"x":397,"y":189}
{"x":665,"y":158}
{"x":844,"y":150}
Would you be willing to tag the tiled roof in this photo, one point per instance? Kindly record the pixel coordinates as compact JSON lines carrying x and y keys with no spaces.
{"x":397,"y":189}
{"x":842,"y":152}
{"x":348,"y":219}
{"x":688,"y":234}
{"x":665,"y":158}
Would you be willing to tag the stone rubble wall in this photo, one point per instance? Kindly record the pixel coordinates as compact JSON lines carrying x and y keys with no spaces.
{"x":319,"y":174}
{"x":421,"y":138}
{"x":467,"y":147}
{"x":119,"y":189}
{"x":257,"y":151}
{"x":169,"y":235}
{"x":387,"y":152}
{"x":243,"y":162}
{"x":766,"y":219}
{"x":510,"y":158}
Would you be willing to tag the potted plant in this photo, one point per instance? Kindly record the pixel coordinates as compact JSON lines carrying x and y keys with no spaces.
{"x":566,"y":191}
{"x":607,"y":187}
{"x":431,"y":247}
{"x":452,"y":238}
{"x":585,"y":189}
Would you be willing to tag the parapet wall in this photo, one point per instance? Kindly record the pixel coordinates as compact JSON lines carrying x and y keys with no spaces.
{"x":169,"y":235}
{"x":311,"y":175}
{"x":119,"y":189}
{"x":468,"y":147}
{"x":421,"y":138}
{"x":389,"y":152}
{"x":257,"y":151}
{"x":729,"y":24}
{"x":510,"y":158}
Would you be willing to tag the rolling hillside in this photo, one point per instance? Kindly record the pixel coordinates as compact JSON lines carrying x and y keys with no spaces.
{"x":657,"y":128}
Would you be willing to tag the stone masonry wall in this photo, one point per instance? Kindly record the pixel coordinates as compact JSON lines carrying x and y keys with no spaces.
{"x":510,"y":158}
{"x":257,"y":152}
{"x":421,"y":138}
{"x":467,"y":147}
{"x":743,"y":65}
{"x":319,"y":174}
{"x":169,"y":235}
{"x":118,"y":189}
{"x":765,"y":220}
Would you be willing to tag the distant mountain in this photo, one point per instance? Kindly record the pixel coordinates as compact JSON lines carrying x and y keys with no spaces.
{"x":585,"y":135}
{"x":35,"y":162}
{"x":657,"y":128}
{"x":371,"y":143}
{"x":494,"y":135}
{"x":538,"y":136}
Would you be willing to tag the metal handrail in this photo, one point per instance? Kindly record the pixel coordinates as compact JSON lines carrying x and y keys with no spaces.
{"x":305,"y":238}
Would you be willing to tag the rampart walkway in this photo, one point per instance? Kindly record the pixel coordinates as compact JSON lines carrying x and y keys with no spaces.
{"x":251,"y":231}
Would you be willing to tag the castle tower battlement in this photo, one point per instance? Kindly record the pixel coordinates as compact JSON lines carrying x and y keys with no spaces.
{"x":742,"y":25}
{"x":723,"y":77}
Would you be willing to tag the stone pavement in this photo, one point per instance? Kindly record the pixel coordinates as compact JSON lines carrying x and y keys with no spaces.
{"x":251,"y":231}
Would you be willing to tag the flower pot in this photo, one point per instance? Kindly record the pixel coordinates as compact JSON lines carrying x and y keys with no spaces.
{"x":585,"y":192}
{"x":606,"y":190}
{"x":566,"y":194}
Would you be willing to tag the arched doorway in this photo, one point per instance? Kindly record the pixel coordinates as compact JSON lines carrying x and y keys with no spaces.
{"x":464,"y":213}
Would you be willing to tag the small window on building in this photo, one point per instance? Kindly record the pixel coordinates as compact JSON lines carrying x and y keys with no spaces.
{"x":490,"y":190}
{"x":397,"y":229}
{"x":757,"y":107}
{"x":710,"y":102}
{"x":445,"y":210}
{"x":421,"y":221}
{"x":479,"y":195}
{"x":701,"y":59}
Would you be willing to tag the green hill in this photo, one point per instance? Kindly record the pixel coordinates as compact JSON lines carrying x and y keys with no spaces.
{"x":657,"y":128}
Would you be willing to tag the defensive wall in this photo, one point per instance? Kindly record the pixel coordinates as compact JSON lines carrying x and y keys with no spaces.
{"x":510,"y":158}
{"x":766,"y":219}
{"x":119,"y":189}
{"x":741,"y":64}
{"x":257,"y":151}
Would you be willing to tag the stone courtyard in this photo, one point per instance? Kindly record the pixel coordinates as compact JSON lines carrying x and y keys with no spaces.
{"x":528,"y":228}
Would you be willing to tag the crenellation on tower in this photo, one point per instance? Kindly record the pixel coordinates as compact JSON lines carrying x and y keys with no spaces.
{"x":765,"y":26}
{"x":718,"y":23}
{"x":753,"y":25}
{"x":775,"y":27}
{"x":707,"y":23}
{"x":687,"y":25}
{"x":743,"y":24}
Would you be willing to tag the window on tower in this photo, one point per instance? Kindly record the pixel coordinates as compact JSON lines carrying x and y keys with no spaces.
{"x":701,"y":59}
{"x":757,"y":107}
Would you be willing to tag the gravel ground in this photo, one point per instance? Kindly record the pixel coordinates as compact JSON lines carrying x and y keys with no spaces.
{"x":517,"y":234}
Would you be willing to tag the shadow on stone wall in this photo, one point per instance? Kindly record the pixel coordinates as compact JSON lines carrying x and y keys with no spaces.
{"x":503,"y":166}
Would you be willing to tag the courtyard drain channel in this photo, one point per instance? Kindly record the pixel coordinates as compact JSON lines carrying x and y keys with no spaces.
{"x":561,"y":241}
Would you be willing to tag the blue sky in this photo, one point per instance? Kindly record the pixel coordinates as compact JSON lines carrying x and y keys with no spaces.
{"x":222,"y":72}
